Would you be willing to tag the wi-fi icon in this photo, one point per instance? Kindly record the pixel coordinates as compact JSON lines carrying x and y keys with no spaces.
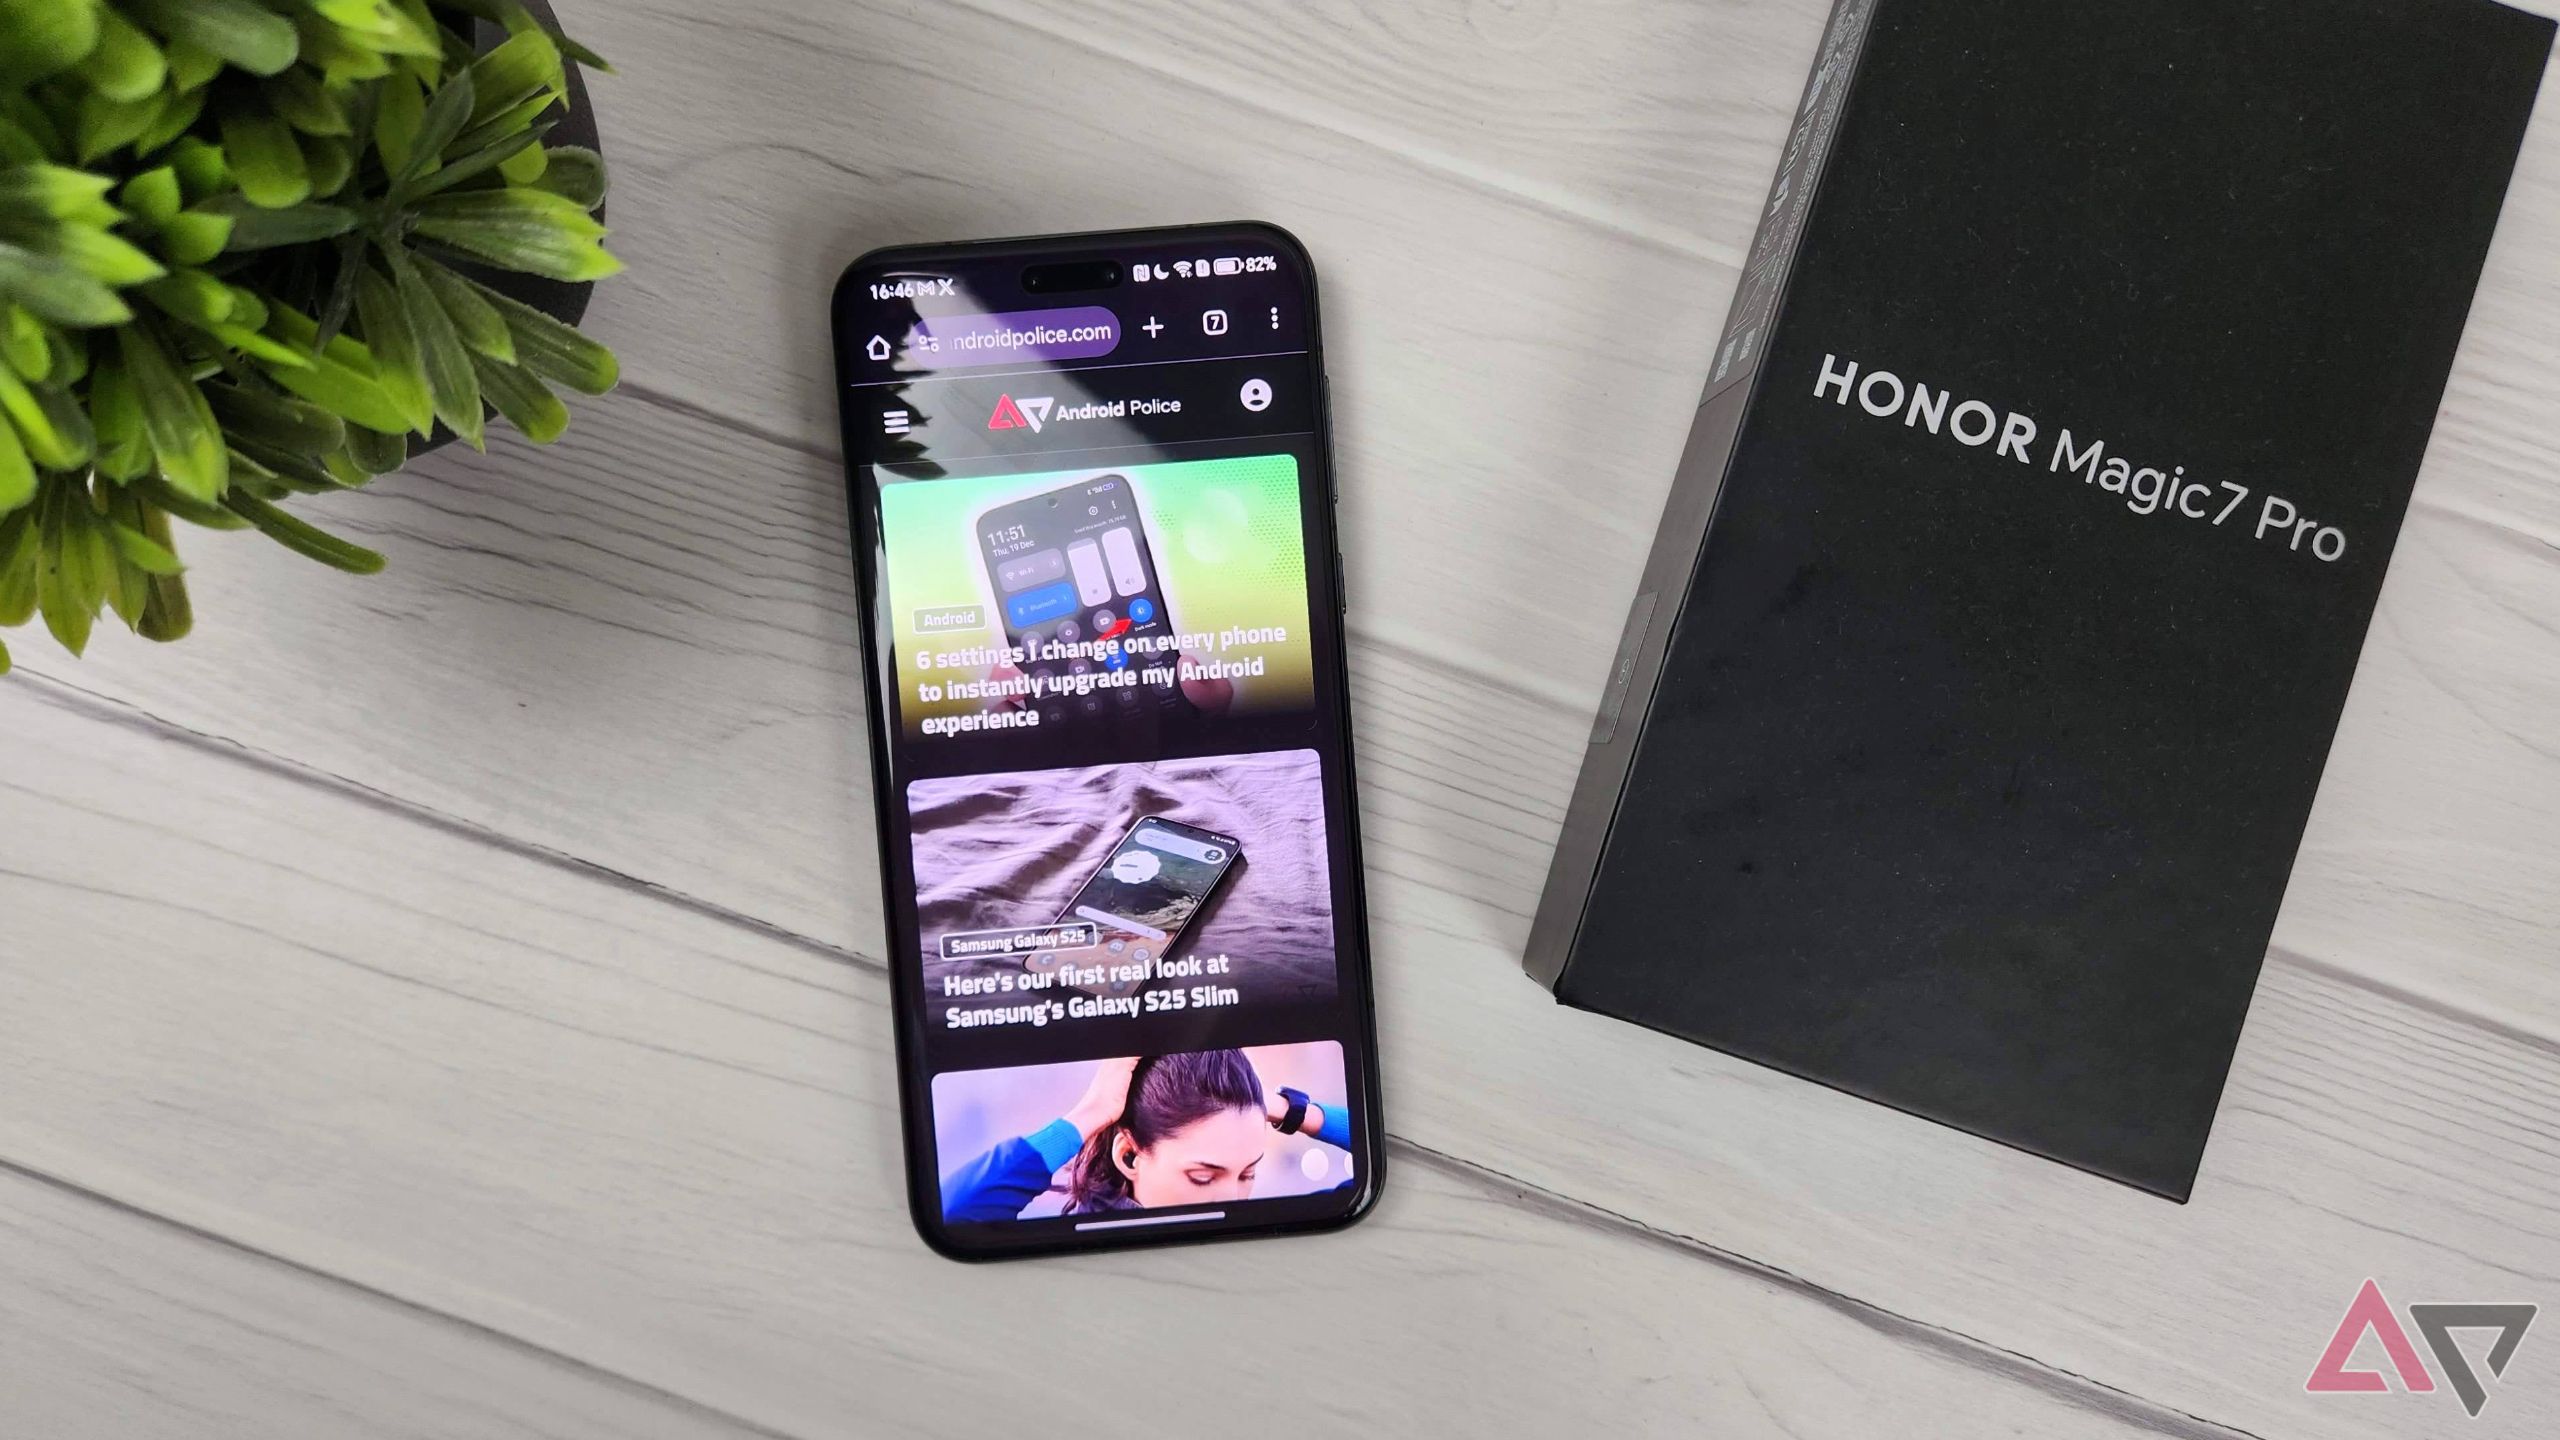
{"x":1182,"y":268}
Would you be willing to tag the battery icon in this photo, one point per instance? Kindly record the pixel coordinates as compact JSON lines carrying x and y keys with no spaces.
{"x":1228,"y":265}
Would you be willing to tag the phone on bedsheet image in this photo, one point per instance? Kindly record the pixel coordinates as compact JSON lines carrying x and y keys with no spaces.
{"x":1139,"y":902}
{"x":1093,"y":508}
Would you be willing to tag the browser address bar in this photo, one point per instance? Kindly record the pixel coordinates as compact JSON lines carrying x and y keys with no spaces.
{"x":1077,"y":332}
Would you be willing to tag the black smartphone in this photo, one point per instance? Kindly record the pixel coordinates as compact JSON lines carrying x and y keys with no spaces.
{"x":1139,"y":901}
{"x":1093,"y":507}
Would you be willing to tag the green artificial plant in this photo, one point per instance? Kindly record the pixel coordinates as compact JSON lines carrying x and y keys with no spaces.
{"x":243,"y":254}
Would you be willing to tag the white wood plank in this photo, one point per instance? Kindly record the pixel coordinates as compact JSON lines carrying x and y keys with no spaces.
{"x":115,"y":1324}
{"x":664,"y":1146}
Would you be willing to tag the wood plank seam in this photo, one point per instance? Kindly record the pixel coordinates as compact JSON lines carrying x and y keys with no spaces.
{"x":2112,"y":1401}
{"x":490,"y":1333}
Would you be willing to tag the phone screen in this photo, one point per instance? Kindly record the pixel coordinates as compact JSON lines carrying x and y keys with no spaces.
{"x":1093,"y":506}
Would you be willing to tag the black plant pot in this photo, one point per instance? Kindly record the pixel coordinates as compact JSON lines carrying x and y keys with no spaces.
{"x":561,"y":299}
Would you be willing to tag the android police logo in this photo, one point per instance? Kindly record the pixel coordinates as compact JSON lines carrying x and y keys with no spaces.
{"x":1030,"y":413}
{"x":2370,"y":1313}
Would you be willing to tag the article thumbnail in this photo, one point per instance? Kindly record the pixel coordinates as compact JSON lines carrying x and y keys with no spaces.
{"x":1136,"y":1133}
{"x":1121,"y":891}
{"x":1167,"y":595}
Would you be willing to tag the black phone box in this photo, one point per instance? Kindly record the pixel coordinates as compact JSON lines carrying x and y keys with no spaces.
{"x":1977,"y":690}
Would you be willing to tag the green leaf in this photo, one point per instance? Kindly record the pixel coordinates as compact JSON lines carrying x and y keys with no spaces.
{"x":527,"y":403}
{"x":72,"y":568}
{"x":250,"y":473}
{"x":54,"y":427}
{"x":195,"y":512}
{"x":168,"y":615}
{"x":202,"y":167}
{"x":399,"y":111}
{"x":527,"y":65}
{"x":31,"y":122}
{"x":341,"y":378}
{"x":438,"y":124}
{"x":530,"y":230}
{"x":340,"y":59}
{"x":193,"y":237}
{"x":191,"y":65}
{"x":526,"y":166}
{"x":507,"y":122}
{"x":153,"y":196}
{"x":575,"y":173}
{"x":68,"y":355}
{"x":557,"y":352}
{"x":192,"y":296}
{"x":175,"y":417}
{"x":240,"y":31}
{"x":477,"y":162}
{"x":385,"y":25}
{"x":450,"y":376}
{"x":176,"y":118}
{"x":248,"y":309}
{"x":301,"y":472}
{"x":110,"y":258}
{"x":105,"y":124}
{"x":40,"y":37}
{"x":57,"y":290}
{"x":18,"y":146}
{"x":296,"y":535}
{"x":277,"y":422}
{"x":255,"y":226}
{"x":59,"y":193}
{"x":395,"y":349}
{"x":125,"y":65}
{"x":115,"y":415}
{"x":330,"y":162}
{"x":24,"y":343}
{"x":373,"y":453}
{"x":258,"y":347}
{"x":298,"y":97}
{"x":144,"y":553}
{"x":17,"y":472}
{"x":481,"y":326}
{"x":20,"y":534}
{"x":264,"y":158}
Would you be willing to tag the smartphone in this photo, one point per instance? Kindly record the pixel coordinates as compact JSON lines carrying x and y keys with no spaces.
{"x":1093,"y":510}
{"x":1138,"y":903}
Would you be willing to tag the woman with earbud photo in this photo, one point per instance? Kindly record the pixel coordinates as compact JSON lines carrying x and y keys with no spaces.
{"x":1149,"y":1132}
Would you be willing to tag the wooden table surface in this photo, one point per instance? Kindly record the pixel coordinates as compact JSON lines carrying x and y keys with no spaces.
{"x":453,"y":1003}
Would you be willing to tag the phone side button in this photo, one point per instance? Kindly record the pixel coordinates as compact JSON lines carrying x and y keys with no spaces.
{"x":1341,"y":586}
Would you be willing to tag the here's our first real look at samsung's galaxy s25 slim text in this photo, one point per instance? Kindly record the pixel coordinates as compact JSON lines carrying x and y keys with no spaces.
{"x":1093,"y":511}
